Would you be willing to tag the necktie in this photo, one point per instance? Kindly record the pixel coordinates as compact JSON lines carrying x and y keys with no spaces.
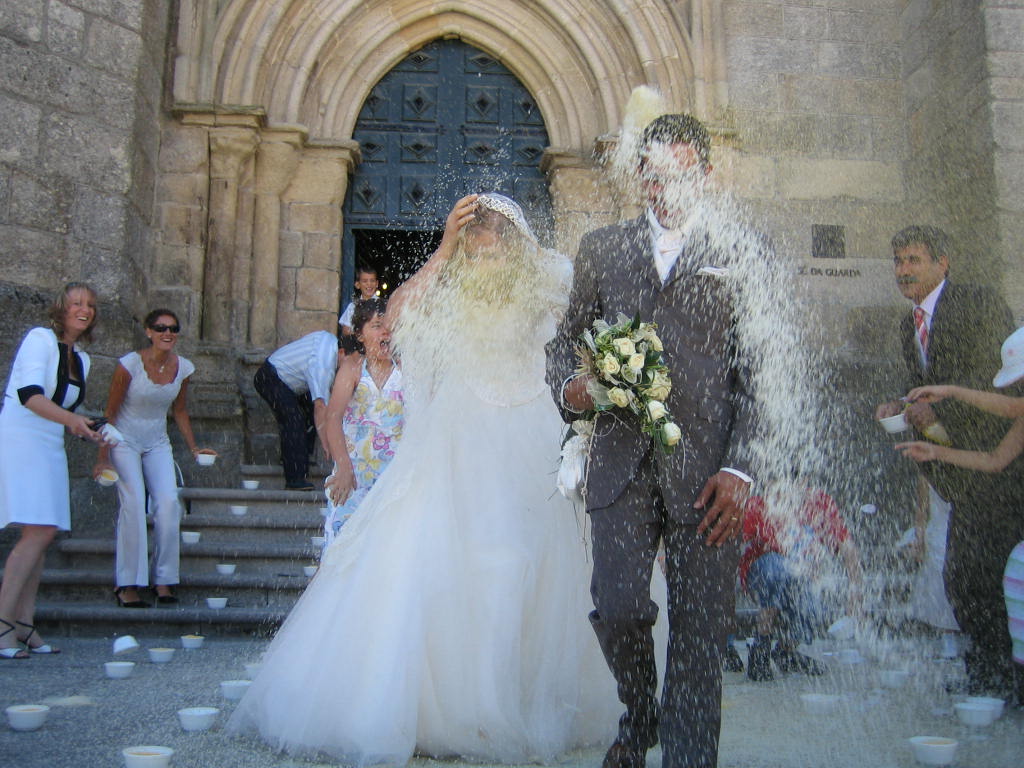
{"x":922,"y":332}
{"x":670,"y":243}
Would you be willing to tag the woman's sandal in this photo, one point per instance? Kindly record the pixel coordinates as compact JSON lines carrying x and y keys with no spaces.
{"x":42,"y":649}
{"x":11,"y":653}
{"x":130,"y":603}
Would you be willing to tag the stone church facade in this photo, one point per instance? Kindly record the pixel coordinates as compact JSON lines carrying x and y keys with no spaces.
{"x":198,"y":154}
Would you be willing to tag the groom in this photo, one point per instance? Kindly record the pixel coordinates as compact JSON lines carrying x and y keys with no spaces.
{"x":658,"y":266}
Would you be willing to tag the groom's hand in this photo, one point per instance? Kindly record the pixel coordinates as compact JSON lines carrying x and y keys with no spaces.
{"x":575,"y":394}
{"x":727,"y":493}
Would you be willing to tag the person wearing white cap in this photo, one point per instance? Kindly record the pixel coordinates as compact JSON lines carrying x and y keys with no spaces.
{"x":995,"y":460}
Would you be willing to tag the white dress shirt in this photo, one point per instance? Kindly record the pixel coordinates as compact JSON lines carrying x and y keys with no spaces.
{"x":308,"y":364}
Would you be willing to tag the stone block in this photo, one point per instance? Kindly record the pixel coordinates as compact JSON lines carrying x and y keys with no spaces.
{"x":801,"y":134}
{"x":182,"y":224}
{"x":747,"y":54}
{"x":40,"y":203}
{"x":803,"y":179}
{"x":317,"y":181}
{"x":808,"y":93}
{"x":1008,"y":125}
{"x":746,"y":176}
{"x":23,"y":20}
{"x":1007,"y":88}
{"x":65,"y":29}
{"x":99,"y":218}
{"x":125,"y":12}
{"x":291,"y":249}
{"x":843,"y":59}
{"x":84,"y":149}
{"x":804,"y":23}
{"x":1006,"y":64}
{"x":316,"y":290}
{"x":1009,"y":170}
{"x":877,"y":98}
{"x":888,"y":138}
{"x":313,"y":217}
{"x":755,"y":90}
{"x":753,"y":19}
{"x":1005,"y":28}
{"x":860,"y":26}
{"x":112,"y":48}
{"x":33,"y":257}
{"x":184,"y":188}
{"x":322,"y":251}
{"x":184,"y":149}
{"x":849,"y":136}
{"x":19,"y":131}
{"x":577,"y":189}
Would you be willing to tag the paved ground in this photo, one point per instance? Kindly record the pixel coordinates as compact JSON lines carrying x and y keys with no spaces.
{"x":764,"y":726}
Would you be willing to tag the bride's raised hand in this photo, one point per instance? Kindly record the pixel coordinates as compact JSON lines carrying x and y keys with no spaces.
{"x":461,"y":214}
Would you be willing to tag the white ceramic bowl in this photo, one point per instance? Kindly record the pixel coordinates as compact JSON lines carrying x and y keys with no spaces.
{"x":252,"y":669}
{"x":197,"y":718}
{"x":190,"y":537}
{"x":124,"y":644}
{"x":147,"y":757}
{"x":192,"y":642}
{"x":233,"y":690}
{"x":239,"y":509}
{"x":975,"y":714}
{"x":107,"y":478}
{"x":118,"y":669}
{"x":317,"y":541}
{"x":251,"y":485}
{"x":161,"y":655}
{"x":206,"y":459}
{"x":933,"y":750}
{"x":225,"y":569}
{"x":892,"y":678}
{"x":997,"y":705}
{"x":216,"y":603}
{"x":27,"y":717}
{"x":309,"y":571}
{"x":894,"y":424}
{"x":820,"y":703}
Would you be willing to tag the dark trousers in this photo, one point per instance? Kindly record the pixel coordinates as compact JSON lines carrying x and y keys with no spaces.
{"x":294,"y":414}
{"x":701,"y":602}
{"x":981,"y":536}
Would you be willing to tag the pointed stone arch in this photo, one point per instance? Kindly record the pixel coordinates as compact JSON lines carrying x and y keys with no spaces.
{"x":313,"y":62}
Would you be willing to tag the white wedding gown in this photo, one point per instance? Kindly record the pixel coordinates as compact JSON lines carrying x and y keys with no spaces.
{"x":449,"y":617}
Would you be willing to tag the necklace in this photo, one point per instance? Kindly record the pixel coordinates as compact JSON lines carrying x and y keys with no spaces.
{"x":162,"y":366}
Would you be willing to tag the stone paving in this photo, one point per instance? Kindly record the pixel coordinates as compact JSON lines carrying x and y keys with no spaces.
{"x":764,"y":725}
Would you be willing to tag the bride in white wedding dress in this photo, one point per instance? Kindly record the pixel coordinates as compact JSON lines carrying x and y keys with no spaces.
{"x":448,"y":618}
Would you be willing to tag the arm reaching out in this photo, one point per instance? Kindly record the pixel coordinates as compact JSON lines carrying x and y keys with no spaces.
{"x":984,"y":461}
{"x":1000,"y":405}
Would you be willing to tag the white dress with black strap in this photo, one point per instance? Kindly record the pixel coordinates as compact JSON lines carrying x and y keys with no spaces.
{"x":33,"y":464}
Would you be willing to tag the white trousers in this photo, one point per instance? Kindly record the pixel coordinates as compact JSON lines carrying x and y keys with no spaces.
{"x":151,"y":469}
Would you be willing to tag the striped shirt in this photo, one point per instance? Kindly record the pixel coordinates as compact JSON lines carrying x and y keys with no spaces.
{"x":308,"y":364}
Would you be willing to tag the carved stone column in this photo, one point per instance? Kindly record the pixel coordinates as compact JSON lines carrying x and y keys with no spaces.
{"x":276,"y":161}
{"x":230,"y":148}
{"x":581,"y":199}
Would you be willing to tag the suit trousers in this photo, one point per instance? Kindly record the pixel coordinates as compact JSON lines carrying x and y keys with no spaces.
{"x":152,"y":470}
{"x":294,"y":414}
{"x":701,"y":602}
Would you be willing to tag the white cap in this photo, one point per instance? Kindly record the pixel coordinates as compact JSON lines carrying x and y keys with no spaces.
{"x":1013,"y":360}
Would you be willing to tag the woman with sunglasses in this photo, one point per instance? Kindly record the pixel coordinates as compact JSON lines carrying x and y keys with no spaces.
{"x":145,"y":384}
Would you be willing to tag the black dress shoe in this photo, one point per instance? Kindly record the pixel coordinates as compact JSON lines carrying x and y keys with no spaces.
{"x":129,"y":603}
{"x":166,"y":599}
{"x":759,"y":661}
{"x":621,"y":755}
{"x":302,"y":485}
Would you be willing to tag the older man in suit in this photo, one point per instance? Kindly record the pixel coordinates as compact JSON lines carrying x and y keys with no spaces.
{"x":953,"y":336}
{"x":691,"y":500}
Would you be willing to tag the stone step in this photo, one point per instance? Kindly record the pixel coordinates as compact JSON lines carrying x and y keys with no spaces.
{"x":272,"y":477}
{"x":107,"y":619}
{"x":262,"y":556}
{"x":244,"y":588}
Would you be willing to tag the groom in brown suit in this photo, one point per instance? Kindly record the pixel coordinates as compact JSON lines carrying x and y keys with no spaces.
{"x":661,"y":266}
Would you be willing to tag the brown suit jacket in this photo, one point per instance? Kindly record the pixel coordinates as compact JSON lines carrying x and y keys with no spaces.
{"x":711,"y":399}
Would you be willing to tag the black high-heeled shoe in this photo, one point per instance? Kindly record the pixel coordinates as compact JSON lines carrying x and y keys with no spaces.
{"x":129,"y":603}
{"x":164,"y":599}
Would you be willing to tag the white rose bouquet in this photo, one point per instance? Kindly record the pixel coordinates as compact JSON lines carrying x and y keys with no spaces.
{"x":628,"y":372}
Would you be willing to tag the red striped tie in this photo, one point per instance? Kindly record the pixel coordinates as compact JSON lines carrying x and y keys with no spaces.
{"x":922,"y":331}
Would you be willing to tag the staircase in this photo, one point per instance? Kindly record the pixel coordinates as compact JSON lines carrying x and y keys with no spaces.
{"x":269,"y":546}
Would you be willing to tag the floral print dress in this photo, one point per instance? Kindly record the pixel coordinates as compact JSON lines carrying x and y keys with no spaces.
{"x":373,"y":427}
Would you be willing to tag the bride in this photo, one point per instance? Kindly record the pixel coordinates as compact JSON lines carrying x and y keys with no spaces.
{"x":448,"y":618}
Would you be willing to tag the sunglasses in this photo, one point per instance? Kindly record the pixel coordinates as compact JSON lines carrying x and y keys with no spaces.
{"x":161,"y":328}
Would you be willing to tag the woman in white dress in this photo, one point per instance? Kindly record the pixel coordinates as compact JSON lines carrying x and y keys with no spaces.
{"x":47,"y":383}
{"x":448,"y":617}
{"x":145,"y":385}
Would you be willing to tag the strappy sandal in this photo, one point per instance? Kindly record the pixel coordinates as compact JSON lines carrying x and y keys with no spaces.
{"x":43,"y":649}
{"x":11,"y":653}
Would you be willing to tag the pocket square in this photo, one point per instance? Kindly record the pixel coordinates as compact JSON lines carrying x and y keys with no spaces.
{"x":713,"y":271}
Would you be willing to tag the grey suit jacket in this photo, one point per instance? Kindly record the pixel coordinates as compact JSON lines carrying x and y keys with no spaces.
{"x":711,"y":398}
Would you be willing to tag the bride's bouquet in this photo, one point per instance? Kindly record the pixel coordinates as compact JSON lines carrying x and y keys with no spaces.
{"x":628,"y":373}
